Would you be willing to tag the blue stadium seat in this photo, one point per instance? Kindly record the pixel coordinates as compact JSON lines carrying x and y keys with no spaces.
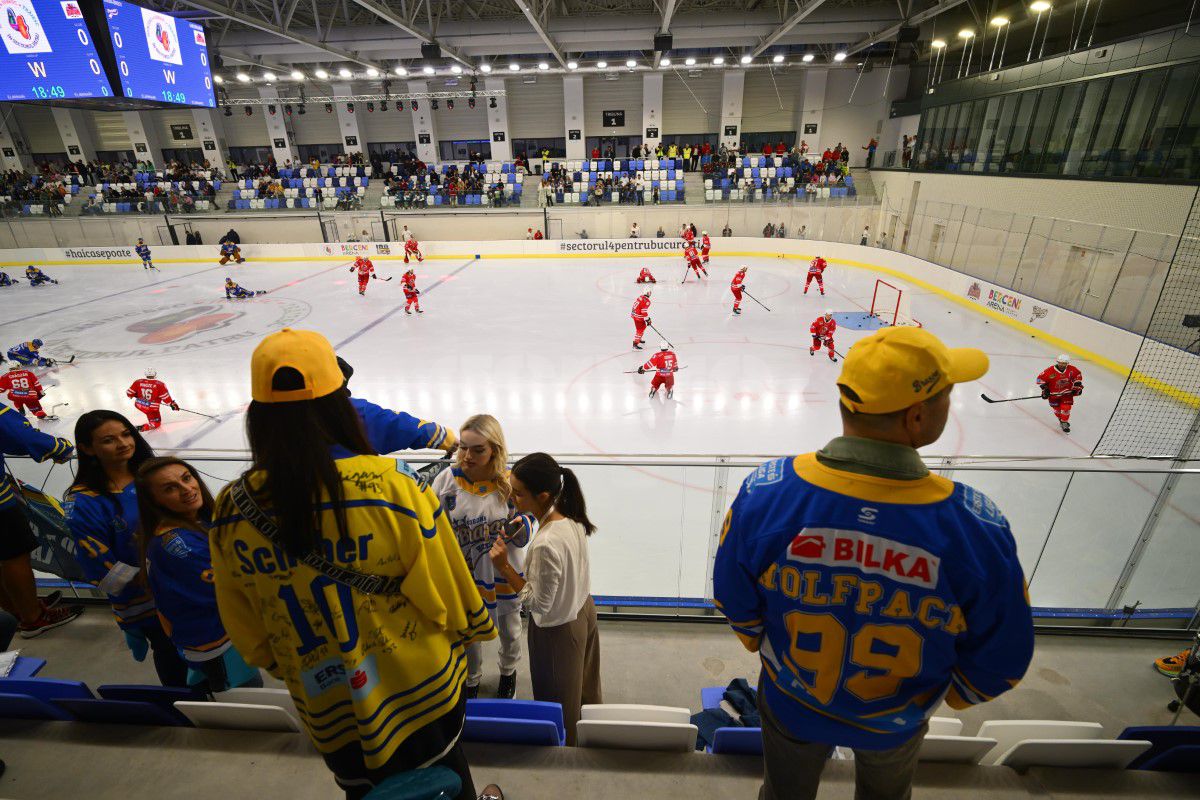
{"x":1162,"y":739}
{"x":520,"y":710}
{"x":738,"y":741}
{"x":122,"y":712}
{"x":45,"y":688}
{"x":26,"y":667}
{"x":1184,"y":758}
{"x":159,"y":695}
{"x":24,"y":706}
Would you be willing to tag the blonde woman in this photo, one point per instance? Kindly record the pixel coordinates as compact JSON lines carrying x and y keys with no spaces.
{"x":477,"y":499}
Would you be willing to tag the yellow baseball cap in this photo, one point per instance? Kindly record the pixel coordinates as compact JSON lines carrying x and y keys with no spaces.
{"x":899,"y":367}
{"x":307,"y":352}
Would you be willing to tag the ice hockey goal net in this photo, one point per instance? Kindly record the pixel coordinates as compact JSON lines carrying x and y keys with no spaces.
{"x":891,"y":303}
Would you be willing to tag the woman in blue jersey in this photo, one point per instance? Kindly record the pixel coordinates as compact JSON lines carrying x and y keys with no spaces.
{"x":477,"y":497}
{"x":175,"y":508}
{"x":102,"y":513}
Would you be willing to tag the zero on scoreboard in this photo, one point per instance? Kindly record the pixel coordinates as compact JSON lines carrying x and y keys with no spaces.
{"x":159,"y":57}
{"x":48,"y":52}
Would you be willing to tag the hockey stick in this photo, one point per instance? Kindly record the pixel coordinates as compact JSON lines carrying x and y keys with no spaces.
{"x":198,"y":414}
{"x":660,"y":333}
{"x":686,"y":268}
{"x":1030,"y":397}
{"x":634,"y":371}
{"x":752,"y":297}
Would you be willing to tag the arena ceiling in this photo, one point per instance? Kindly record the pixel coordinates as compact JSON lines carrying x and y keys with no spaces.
{"x":286,"y":40}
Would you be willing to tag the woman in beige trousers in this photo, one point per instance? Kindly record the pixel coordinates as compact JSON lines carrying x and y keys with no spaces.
{"x":564,"y":645}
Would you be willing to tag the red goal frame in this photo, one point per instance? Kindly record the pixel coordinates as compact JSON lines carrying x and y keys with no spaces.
{"x":890,"y":316}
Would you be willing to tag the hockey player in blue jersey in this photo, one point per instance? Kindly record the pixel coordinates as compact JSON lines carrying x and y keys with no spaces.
{"x":142,"y":250}
{"x":36,"y":277}
{"x":174,"y":509}
{"x":235,"y":292}
{"x":27,"y":353}
{"x":871,"y":589}
{"x":230,"y":250}
{"x":7,"y":281}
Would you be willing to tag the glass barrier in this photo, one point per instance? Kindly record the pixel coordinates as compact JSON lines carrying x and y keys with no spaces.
{"x":1093,"y":536}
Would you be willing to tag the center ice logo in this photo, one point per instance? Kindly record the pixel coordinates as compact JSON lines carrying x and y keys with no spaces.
{"x":161,"y":38}
{"x":179,"y":328}
{"x":22,"y":30}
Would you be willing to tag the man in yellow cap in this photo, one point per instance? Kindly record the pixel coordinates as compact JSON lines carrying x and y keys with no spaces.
{"x":870,"y":588}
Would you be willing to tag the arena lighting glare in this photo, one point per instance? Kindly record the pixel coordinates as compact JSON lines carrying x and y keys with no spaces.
{"x":243,"y":77}
{"x":428,"y":70}
{"x":269,"y":77}
{"x":572,"y":65}
{"x":937,"y":44}
{"x":778,"y":59}
{"x":401,"y":71}
{"x":601,"y":64}
{"x":345,"y":73}
{"x":456,"y":69}
{"x":691,"y":62}
{"x":966,"y":34}
{"x":631,"y":63}
{"x":297,"y":75}
{"x":719,"y":60}
{"x":542,"y":65}
{"x":1040,"y":7}
{"x":322,"y":74}
{"x":666,"y":62}
{"x":746,"y":59}
{"x":514,"y":67}
{"x":839,"y":56}
{"x":808,"y":57}
{"x":218,"y":79}
{"x":372,"y":72}
{"x":485,"y":67}
{"x":999,"y":22}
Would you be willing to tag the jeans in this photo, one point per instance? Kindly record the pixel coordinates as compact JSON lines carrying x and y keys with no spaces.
{"x":793,"y":766}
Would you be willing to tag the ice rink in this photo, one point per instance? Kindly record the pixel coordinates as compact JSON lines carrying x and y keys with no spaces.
{"x":543,"y":344}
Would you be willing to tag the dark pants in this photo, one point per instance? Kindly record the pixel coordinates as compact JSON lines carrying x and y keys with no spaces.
{"x":793,"y":766}
{"x":171,"y":668}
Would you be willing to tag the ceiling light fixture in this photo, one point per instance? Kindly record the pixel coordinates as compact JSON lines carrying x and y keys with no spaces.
{"x":322,"y":74}
{"x":514,"y":67}
{"x":243,"y":77}
{"x":746,"y":59}
{"x":719,"y":60}
{"x":631,"y":63}
{"x":269,"y":77}
{"x":937,"y":44}
{"x":456,"y":69}
{"x":572,"y":65}
{"x":372,"y":72}
{"x":1041,"y":6}
{"x":966,"y":34}
{"x":691,"y":62}
{"x":542,"y":65}
{"x":808,"y":57}
{"x":601,"y":64}
{"x":778,"y":59}
{"x":839,"y":56}
{"x":218,"y":79}
{"x":401,"y":71}
{"x":345,"y":73}
{"x":428,"y":70}
{"x":485,"y":67}
{"x":999,"y":22}
{"x":666,"y":62}
{"x":297,"y":75}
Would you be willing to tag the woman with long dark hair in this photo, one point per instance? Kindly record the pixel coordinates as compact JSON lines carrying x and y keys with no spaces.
{"x":175,"y":508}
{"x":564,"y":645}
{"x":338,"y":572}
{"x":102,"y":514}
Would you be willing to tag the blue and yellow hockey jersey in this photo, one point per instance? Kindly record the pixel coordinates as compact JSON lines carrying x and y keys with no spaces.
{"x":104,"y":527}
{"x":19,"y":438}
{"x":181,"y":579}
{"x":143,"y":251}
{"x":26,"y":353}
{"x":871,"y":599}
{"x":390,"y":431}
{"x":362,"y":669}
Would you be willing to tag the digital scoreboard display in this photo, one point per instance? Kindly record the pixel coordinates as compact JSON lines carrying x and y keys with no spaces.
{"x":159,"y":57}
{"x":49,"y":53}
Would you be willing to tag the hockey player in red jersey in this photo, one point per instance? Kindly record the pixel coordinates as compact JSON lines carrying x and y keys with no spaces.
{"x":148,"y":393}
{"x":366,"y":271}
{"x":665,"y":364}
{"x":816,"y":270}
{"x":822,"y":330}
{"x":641,"y":318}
{"x":411,"y":248}
{"x":736,"y":287}
{"x":694,"y":263}
{"x":689,"y":238}
{"x":645,"y":277}
{"x":411,"y":292}
{"x":705,"y":246}
{"x":23,"y":390}
{"x":1061,"y":384}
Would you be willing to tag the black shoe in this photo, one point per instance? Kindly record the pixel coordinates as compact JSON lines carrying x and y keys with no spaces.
{"x":637,"y":346}
{"x":52,"y":599}
{"x":507,"y":689}
{"x":471,"y":691}
{"x":653,"y":392}
{"x":670,"y":393}
{"x":1066,"y":426}
{"x":737,"y":311}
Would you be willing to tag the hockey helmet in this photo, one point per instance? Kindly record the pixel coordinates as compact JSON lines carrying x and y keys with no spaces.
{"x":37,"y":343}
{"x":829,"y":312}
{"x":664,"y":346}
{"x":140,"y":240}
{"x":1063,"y":358}
{"x":704,"y":233}
{"x":14,"y":366}
{"x":151,"y":372}
{"x":743,"y":268}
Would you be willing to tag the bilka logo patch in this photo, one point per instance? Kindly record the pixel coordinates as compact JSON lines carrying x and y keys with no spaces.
{"x":874,"y":555}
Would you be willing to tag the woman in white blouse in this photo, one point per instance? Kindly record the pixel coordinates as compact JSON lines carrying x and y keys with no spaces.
{"x":564,"y":645}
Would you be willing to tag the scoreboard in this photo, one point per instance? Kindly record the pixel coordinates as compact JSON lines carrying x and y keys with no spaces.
{"x":49,"y":52}
{"x":106,"y":54}
{"x":159,"y":57}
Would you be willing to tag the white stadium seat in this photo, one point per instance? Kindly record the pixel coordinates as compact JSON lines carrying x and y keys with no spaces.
{"x":237,"y":716}
{"x":1008,"y":732}
{"x":630,"y":712}
{"x":954,"y":749}
{"x":663,"y":736}
{"x":1086,"y":753}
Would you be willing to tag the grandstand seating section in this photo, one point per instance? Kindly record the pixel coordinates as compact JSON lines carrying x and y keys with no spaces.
{"x":766,"y":178}
{"x":505,"y":173}
{"x":664,"y":174}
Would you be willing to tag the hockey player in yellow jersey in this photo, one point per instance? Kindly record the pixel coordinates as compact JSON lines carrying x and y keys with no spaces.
{"x":337,"y":571}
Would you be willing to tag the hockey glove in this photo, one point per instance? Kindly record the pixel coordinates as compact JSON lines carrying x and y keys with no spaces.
{"x":138,"y":644}
{"x":641,"y":370}
{"x":1045,"y":392}
{"x":648,"y":322}
{"x":1076,"y":392}
{"x":174,"y":406}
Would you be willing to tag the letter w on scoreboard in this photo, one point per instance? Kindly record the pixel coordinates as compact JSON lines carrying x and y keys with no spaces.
{"x":875,"y":555}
